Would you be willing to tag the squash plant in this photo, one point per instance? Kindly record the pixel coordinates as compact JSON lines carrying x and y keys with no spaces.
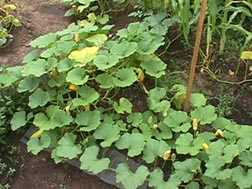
{"x":10,"y":102}
{"x":7,"y":22}
{"x":75,"y":80}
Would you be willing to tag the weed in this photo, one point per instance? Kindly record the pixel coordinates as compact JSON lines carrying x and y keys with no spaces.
{"x":6,"y":186}
{"x":226,"y":104}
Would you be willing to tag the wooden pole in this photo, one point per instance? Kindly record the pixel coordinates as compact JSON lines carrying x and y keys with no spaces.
{"x":203,"y":12}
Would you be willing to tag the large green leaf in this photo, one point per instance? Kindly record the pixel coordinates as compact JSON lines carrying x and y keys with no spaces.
{"x":67,"y":147}
{"x":133,"y":31}
{"x":186,"y":144}
{"x":162,"y":131}
{"x":135,"y":119}
{"x":134,"y":143}
{"x":242,"y":178}
{"x":149,"y":43}
{"x":91,"y":163}
{"x":97,"y":39}
{"x":36,"y":145}
{"x":18,"y":120}
{"x":193,"y":185}
{"x":105,"y":80}
{"x":125,"y":77}
{"x":216,"y":148}
{"x":77,"y":76}
{"x":35,"y":68}
{"x":34,"y":54}
{"x":185,"y":170}
{"x":87,"y":94}
{"x":39,"y":98}
{"x":44,"y":41}
{"x":198,"y":100}
{"x":28,"y":84}
{"x":222,"y":123}
{"x":206,"y":115}
{"x":124,"y":49}
{"x":153,"y":66}
{"x":157,"y":102}
{"x":88,"y":120}
{"x":156,"y":180}
{"x":131,"y":180}
{"x":230,"y":152}
{"x":84,"y":56}
{"x":107,"y":132}
{"x":7,"y":79}
{"x":154,"y":149}
{"x":246,"y":159}
{"x":54,"y":118}
{"x":64,"y":65}
{"x":215,"y":169}
{"x":124,"y":106}
{"x":106,"y":61}
{"x":178,"y":121}
{"x":64,"y":47}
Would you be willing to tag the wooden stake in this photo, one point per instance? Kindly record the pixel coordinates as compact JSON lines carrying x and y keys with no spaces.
{"x":203,"y":12}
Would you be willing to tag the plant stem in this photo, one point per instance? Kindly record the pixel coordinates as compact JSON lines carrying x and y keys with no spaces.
{"x":195,"y":58}
{"x":223,"y":32}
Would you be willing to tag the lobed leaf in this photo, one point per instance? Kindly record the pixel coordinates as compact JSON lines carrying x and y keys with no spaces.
{"x":88,"y":120}
{"x":129,"y":179}
{"x":91,"y":163}
{"x":134,"y":143}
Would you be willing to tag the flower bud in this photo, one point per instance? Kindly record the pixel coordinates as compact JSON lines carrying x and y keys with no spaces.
{"x":205,"y":147}
{"x":141,"y":76}
{"x":195,"y":124}
{"x":73,"y":87}
{"x":155,"y":126}
{"x":167,"y":155}
{"x":76,"y":37}
{"x":219,"y":133}
{"x":37,"y":134}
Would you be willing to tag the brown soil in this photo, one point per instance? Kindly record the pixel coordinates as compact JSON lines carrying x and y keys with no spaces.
{"x":40,"y":172}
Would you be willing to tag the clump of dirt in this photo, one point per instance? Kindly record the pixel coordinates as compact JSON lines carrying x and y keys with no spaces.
{"x":38,"y":17}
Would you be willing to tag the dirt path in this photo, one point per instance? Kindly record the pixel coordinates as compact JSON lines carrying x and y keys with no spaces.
{"x":38,"y":17}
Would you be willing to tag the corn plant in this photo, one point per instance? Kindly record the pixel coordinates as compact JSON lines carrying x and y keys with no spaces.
{"x":223,"y":16}
{"x":235,"y":15}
